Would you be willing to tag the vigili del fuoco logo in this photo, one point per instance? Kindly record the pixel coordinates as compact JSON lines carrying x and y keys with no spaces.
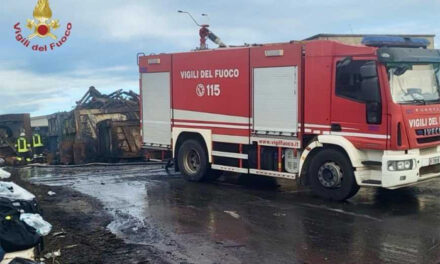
{"x":42,"y":27}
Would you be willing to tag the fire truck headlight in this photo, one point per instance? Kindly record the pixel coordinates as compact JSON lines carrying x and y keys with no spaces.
{"x":400,"y":165}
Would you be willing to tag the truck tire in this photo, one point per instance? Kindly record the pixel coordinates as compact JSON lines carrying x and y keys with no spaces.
{"x":193,"y":160}
{"x":331,"y":176}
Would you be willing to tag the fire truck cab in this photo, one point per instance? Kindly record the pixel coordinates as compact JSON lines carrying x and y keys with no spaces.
{"x":336,"y":116}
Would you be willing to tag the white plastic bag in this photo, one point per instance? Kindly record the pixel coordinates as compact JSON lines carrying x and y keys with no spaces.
{"x":36,"y":221}
{"x":13,"y":192}
{"x":4,"y":174}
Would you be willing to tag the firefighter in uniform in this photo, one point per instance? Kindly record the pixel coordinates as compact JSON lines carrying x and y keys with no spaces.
{"x":37,"y":145}
{"x":23,"y":149}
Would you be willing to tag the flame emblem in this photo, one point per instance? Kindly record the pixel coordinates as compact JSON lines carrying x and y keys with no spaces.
{"x":42,"y":24}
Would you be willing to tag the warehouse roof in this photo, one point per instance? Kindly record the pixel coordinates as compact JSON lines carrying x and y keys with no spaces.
{"x":326,"y":35}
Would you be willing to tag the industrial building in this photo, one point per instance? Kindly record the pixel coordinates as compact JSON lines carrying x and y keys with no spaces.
{"x":356,"y":39}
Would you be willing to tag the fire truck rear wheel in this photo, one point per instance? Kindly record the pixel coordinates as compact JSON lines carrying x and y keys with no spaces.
{"x":331,"y":176}
{"x":193,"y":160}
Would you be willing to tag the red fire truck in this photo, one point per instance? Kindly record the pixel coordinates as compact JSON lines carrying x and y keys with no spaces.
{"x":336,"y":116}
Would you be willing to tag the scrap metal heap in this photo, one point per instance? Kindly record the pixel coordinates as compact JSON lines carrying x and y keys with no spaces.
{"x":93,"y":99}
{"x":100,"y":128}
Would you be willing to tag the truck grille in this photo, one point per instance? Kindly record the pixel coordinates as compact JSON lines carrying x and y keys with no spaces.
{"x":428,"y":139}
{"x":429,"y":169}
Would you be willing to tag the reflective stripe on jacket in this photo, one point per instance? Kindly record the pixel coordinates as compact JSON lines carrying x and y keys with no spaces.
{"x":36,"y":141}
{"x":22,"y":145}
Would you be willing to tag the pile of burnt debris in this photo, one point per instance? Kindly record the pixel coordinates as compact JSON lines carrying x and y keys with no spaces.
{"x":93,"y":99}
{"x":101,"y":128}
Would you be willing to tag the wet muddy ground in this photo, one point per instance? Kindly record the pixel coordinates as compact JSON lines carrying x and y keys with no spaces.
{"x":141,"y":214}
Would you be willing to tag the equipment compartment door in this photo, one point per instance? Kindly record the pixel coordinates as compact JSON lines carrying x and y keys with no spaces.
{"x":275,"y":96}
{"x":156,"y":109}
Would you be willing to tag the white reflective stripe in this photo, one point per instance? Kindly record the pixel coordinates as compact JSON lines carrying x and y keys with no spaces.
{"x":316,"y":125}
{"x":365,"y":135}
{"x":229,"y":155}
{"x":276,"y":129}
{"x":274,"y":174}
{"x":229,"y":168}
{"x":325,"y":126}
{"x":230,"y":139}
{"x":156,"y":122}
{"x":183,"y":123}
{"x":202,"y":116}
{"x":307,"y":130}
{"x":316,"y":131}
{"x":350,"y":128}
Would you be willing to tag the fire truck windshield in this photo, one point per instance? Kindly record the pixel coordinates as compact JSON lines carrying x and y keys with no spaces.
{"x":413,"y":83}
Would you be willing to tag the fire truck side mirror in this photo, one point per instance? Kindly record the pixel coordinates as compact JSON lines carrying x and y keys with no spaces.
{"x":368,"y":70}
{"x":371,"y":92}
{"x":371,"y":96}
{"x":370,"y":82}
{"x":374,"y":113}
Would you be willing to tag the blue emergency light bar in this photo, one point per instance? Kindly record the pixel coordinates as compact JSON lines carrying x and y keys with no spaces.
{"x":395,"y":41}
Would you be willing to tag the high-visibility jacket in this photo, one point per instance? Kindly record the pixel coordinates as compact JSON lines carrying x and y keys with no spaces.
{"x":36,"y":141}
{"x":22,"y":146}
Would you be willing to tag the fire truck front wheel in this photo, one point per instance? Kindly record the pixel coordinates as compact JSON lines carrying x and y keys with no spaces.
{"x":331,"y":175}
{"x":193,"y":160}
